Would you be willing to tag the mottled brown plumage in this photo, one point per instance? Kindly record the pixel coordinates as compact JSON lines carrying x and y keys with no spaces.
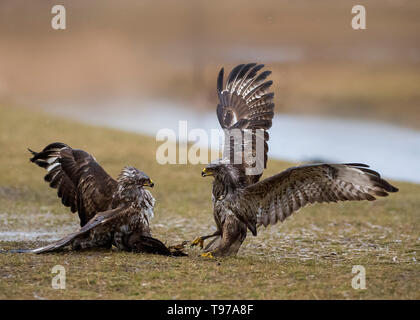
{"x":112,"y":212}
{"x":81,"y":183}
{"x":241,"y":202}
{"x":246,"y":107}
{"x":126,"y":228}
{"x":276,"y":198}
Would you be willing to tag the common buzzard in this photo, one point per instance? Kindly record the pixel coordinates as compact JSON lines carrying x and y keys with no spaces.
{"x":240,"y":200}
{"x":111,"y":212}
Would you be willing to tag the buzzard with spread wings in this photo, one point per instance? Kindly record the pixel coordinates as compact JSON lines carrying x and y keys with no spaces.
{"x":240,"y":200}
{"x":111,"y":212}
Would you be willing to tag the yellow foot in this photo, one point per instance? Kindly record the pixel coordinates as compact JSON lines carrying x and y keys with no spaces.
{"x":198,"y":242}
{"x":207,"y":255}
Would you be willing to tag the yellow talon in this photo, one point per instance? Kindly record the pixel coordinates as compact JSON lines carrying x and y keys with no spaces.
{"x":207,"y":255}
{"x":198,"y":242}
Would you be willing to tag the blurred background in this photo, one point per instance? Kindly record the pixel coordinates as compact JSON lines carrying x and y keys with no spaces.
{"x":157,"y":60}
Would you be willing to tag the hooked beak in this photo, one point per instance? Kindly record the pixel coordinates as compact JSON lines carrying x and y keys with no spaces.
{"x":149,"y":183}
{"x":206,"y":173}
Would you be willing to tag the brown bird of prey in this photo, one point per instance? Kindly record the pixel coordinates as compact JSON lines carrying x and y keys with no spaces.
{"x":240,"y":200}
{"x":111,"y":212}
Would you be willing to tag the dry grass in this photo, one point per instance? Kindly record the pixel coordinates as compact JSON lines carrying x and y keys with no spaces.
{"x":309,"y":256}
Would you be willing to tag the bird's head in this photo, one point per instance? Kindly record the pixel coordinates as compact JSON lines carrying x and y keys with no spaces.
{"x":224,"y":172}
{"x":132,"y":177}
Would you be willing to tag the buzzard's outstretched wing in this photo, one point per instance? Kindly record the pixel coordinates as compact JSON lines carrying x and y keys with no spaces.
{"x":100,"y":218}
{"x":246,"y":103}
{"x":277,"y":197}
{"x":138,"y":241}
{"x":82,"y":184}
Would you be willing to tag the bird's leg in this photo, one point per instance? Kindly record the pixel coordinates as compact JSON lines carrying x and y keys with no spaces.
{"x":232,"y":236}
{"x":200,"y":240}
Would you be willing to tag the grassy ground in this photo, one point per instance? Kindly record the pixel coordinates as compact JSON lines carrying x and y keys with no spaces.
{"x":310,"y":256}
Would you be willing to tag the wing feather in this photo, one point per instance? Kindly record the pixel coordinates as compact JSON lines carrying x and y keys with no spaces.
{"x":81,"y":183}
{"x":106,"y":217}
{"x":277,"y":197}
{"x":245,"y":103}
